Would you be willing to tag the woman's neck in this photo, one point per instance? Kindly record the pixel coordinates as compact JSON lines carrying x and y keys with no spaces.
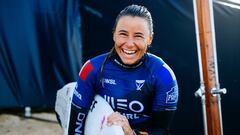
{"x":116,"y":59}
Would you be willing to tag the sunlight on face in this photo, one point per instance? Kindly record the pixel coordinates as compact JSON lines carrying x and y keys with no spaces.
{"x":132,"y":37}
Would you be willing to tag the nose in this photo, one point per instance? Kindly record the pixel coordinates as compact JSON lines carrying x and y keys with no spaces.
{"x":130,"y":42}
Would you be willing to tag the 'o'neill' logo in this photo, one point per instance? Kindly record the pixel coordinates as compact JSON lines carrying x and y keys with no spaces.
{"x":139,"y":84}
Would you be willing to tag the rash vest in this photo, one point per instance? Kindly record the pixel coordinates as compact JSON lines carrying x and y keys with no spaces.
{"x":134,"y":91}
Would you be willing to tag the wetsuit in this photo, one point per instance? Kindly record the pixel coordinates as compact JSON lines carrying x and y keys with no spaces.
{"x":146,"y":93}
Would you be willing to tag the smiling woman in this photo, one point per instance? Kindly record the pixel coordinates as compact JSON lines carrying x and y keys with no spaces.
{"x":140,"y":87}
{"x":131,"y":39}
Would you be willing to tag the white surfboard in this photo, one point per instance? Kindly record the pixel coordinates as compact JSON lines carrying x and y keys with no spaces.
{"x":96,"y":121}
{"x":63,"y":104}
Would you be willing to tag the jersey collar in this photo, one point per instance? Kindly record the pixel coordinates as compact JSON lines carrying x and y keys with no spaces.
{"x":117,"y":60}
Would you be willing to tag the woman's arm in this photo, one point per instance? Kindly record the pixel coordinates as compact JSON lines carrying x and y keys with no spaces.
{"x":159,"y":123}
{"x":77,"y":120}
{"x":82,"y":99}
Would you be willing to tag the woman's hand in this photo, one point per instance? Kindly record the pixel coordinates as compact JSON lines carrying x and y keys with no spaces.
{"x":117,"y":119}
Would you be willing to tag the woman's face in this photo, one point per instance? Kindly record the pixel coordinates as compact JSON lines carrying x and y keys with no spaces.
{"x":131,"y":37}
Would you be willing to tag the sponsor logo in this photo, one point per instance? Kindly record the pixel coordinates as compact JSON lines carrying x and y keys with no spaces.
{"x":109,"y":81}
{"x":139,"y":84}
{"x":77,"y":94}
{"x":172,"y":95}
{"x":79,"y":123}
{"x":138,"y":106}
{"x":133,"y":116}
{"x":124,"y":104}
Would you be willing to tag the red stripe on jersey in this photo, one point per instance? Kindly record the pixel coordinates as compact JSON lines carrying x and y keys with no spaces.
{"x":86,"y":69}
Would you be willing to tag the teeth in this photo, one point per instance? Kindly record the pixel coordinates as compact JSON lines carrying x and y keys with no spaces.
{"x":128,"y":51}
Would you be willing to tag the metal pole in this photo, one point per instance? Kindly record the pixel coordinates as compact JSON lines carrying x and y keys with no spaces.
{"x":200,"y":92}
{"x":209,"y":89}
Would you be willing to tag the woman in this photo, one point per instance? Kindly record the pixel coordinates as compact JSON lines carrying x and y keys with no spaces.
{"x":142,"y":87}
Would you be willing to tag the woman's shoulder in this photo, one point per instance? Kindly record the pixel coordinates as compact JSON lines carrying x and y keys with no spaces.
{"x":157,"y":64}
{"x":98,"y":59}
{"x":154,"y":60}
{"x":95,"y":62}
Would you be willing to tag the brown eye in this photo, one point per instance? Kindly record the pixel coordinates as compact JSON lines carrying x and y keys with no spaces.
{"x":139,"y":36}
{"x":123,"y":34}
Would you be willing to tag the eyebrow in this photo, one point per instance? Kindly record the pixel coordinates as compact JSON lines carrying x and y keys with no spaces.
{"x":123,"y":31}
{"x":137,"y":33}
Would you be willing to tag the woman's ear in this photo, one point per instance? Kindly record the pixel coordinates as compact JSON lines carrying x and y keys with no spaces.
{"x":150,"y":39}
{"x":113,"y":36}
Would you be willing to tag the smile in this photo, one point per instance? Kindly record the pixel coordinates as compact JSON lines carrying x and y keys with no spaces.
{"x":128,"y":52}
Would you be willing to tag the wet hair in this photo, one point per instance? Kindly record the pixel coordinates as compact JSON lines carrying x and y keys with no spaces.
{"x":134,"y":11}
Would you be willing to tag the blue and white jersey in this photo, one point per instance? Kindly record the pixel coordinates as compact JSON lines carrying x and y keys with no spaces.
{"x":134,"y":91}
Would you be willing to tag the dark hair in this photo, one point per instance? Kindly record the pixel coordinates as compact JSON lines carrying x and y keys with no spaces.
{"x":132,"y":10}
{"x":138,"y":11}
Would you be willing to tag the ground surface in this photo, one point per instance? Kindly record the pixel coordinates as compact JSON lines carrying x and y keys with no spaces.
{"x":43,"y":123}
